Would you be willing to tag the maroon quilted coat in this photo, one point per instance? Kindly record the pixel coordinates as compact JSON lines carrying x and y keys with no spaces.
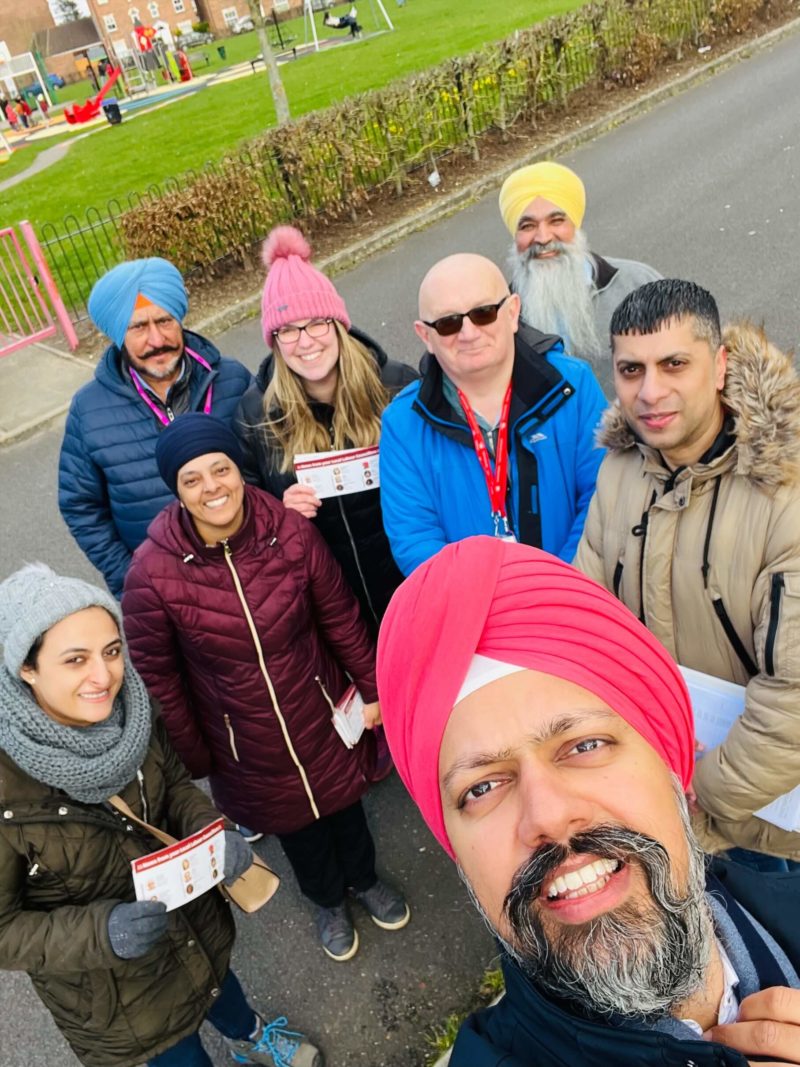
{"x":274,"y":760}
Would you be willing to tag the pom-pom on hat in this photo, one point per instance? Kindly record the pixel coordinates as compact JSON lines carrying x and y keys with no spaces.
{"x":517,"y":605}
{"x":113,"y":298}
{"x":552,"y":181}
{"x":189,"y":436}
{"x":294,"y":289}
{"x":35,"y":598}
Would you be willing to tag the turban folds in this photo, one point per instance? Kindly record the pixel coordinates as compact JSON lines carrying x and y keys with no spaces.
{"x":189,"y":436}
{"x":521,"y":606}
{"x":113,"y":298}
{"x":552,"y":181}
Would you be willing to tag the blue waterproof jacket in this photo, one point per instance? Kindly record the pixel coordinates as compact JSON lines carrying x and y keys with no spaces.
{"x":109,"y":488}
{"x":433,"y":491}
{"x":527,"y":1029}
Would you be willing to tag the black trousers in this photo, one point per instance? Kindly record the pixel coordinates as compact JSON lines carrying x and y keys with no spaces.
{"x":333,"y":854}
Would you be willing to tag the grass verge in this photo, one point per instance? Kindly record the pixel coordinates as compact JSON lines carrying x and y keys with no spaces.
{"x":159,"y":144}
{"x":442,"y":1038}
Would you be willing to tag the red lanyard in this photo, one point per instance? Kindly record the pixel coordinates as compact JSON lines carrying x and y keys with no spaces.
{"x":165,"y":419}
{"x":497,"y":480}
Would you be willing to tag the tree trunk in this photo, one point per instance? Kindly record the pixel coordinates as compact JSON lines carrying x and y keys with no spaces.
{"x":279,"y":97}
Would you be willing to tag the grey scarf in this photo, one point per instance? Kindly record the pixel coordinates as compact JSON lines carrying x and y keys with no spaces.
{"x":89,"y":763}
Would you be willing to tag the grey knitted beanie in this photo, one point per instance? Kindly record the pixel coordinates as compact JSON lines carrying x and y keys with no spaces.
{"x":35,"y":598}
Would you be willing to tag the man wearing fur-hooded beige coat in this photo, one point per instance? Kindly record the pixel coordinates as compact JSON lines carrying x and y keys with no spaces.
{"x":695,"y":526}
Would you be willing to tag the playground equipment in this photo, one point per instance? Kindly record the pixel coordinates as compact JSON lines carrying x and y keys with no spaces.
{"x":378,"y":16}
{"x":12,"y":67}
{"x":90,"y":109}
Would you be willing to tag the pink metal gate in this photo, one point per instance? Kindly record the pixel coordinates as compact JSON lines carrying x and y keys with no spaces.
{"x":25,"y":314}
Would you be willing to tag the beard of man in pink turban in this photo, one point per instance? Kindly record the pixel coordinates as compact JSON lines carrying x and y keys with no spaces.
{"x":547,"y":739}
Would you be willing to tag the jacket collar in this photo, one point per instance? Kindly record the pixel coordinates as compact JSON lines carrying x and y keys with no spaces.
{"x":602,"y":271}
{"x":762,"y":393}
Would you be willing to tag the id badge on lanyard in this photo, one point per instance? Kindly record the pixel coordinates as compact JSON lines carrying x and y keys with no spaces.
{"x":497,"y":479}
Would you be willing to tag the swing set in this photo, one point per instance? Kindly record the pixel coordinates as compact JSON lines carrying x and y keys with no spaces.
{"x":378,"y":12}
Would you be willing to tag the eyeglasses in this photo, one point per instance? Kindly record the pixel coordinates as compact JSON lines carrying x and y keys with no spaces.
{"x":484,"y":315}
{"x":290,"y":335}
{"x":164,"y":323}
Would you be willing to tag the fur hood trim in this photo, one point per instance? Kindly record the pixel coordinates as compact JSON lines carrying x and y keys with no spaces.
{"x":762,"y":391}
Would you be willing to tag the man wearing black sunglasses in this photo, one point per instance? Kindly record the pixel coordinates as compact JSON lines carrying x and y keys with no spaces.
{"x":497,"y":437}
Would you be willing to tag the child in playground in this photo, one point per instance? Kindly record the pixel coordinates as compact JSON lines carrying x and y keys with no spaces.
{"x":344,"y":22}
{"x":12,"y":116}
{"x":24,"y":109}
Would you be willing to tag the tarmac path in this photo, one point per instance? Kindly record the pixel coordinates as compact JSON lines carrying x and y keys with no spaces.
{"x":704,"y":186}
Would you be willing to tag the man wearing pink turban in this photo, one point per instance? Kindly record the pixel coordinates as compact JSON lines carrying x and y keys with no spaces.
{"x":547,"y":739}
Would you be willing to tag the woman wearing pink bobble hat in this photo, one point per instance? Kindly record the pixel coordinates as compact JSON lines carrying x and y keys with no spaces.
{"x":322,"y":388}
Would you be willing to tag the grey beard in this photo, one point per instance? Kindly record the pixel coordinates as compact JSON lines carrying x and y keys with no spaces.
{"x":635,"y":962}
{"x":556,"y":297}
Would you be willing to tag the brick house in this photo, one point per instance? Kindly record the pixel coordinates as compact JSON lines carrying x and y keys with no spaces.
{"x":116,"y":17}
{"x":18,"y":24}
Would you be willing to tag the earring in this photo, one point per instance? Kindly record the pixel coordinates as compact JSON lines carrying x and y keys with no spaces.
{"x":183,"y":505}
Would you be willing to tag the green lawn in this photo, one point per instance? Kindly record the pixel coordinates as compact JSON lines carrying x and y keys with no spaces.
{"x":153,"y":146}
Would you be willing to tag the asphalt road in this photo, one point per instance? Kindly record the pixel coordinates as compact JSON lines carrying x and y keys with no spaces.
{"x":704,"y":186}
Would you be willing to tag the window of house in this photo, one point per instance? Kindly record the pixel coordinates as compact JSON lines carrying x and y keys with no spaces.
{"x":185,"y":27}
{"x":153,"y":9}
{"x":111,"y":23}
{"x":133,"y":12}
{"x":230,"y":16}
{"x":179,"y":7}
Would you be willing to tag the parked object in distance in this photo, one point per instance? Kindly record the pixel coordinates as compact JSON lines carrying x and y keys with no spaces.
{"x":244,"y":24}
{"x":194,"y":39}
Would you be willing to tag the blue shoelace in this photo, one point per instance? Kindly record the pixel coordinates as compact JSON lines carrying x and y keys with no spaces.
{"x":279,"y":1042}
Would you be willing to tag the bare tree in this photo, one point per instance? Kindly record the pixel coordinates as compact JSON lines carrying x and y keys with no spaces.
{"x":279,"y":97}
{"x":67,"y":11}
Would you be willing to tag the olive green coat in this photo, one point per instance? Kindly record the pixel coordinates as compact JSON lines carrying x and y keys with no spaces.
{"x":63,"y":867}
{"x":709,"y":559}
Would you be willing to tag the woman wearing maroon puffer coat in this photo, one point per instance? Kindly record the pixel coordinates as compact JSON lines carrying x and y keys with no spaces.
{"x":242,"y":626}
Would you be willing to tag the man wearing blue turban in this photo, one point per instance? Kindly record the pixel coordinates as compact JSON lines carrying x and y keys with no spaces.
{"x":109,"y":488}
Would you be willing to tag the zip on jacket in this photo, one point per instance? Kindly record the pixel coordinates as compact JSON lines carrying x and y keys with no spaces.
{"x":272,"y":694}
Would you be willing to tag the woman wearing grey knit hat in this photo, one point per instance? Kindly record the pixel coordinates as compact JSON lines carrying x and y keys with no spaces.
{"x":124,"y":980}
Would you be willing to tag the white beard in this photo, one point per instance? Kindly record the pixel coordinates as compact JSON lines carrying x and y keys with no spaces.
{"x":556,"y":295}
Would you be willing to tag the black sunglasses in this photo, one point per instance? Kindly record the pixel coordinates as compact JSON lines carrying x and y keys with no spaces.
{"x":484,"y":315}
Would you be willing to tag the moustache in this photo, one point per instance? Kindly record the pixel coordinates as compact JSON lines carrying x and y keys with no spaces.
{"x":162,"y":351}
{"x":536,"y":249}
{"x":605,"y":842}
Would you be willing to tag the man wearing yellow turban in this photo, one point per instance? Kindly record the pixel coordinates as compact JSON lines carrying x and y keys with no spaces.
{"x":564,"y":288}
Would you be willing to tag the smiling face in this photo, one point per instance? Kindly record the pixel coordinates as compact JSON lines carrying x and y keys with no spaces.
{"x":537,"y":777}
{"x":668,"y":384}
{"x":78,"y":669}
{"x":476,"y":353}
{"x":313,"y":357}
{"x":211,"y":489}
{"x":542,"y":227}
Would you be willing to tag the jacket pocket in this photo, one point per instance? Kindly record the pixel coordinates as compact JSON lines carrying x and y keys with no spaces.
{"x":733,"y":637}
{"x":777,"y":588}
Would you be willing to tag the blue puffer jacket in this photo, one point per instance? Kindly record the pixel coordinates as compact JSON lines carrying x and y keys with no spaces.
{"x":109,"y":488}
{"x":527,"y":1029}
{"x":432,"y":487}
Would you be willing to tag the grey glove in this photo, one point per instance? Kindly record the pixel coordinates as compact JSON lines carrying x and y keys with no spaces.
{"x":134,"y":928}
{"x":238,"y":856}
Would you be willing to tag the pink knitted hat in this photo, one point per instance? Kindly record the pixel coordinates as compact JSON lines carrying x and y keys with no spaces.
{"x":294,"y":290}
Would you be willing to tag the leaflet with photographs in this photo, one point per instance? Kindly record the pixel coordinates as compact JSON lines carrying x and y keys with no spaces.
{"x":182,"y":872}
